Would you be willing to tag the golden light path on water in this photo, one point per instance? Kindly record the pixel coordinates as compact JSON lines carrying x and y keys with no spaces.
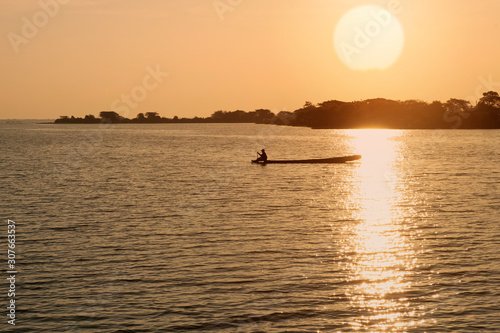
{"x":378,"y":249}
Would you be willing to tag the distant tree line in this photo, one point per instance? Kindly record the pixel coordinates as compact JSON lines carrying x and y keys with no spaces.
{"x":333,"y":114}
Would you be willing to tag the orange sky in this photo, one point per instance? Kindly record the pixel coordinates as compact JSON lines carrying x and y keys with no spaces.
{"x":78,"y":57}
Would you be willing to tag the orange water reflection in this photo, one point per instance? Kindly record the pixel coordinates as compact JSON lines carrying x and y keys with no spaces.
{"x":378,"y":247}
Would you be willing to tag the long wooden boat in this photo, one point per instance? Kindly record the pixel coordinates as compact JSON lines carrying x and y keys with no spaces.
{"x":341,"y":159}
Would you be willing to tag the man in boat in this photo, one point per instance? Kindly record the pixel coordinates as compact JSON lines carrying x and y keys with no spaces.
{"x":262,"y":156}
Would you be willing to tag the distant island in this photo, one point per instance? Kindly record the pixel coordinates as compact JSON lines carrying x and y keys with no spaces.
{"x":334,"y":114}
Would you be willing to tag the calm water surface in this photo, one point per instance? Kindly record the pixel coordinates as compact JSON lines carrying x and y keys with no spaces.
{"x":169,"y":228}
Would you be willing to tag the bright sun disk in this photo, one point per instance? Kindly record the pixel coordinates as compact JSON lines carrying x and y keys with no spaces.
{"x":368,"y":38}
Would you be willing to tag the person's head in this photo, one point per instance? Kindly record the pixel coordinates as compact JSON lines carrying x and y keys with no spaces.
{"x":263,"y":150}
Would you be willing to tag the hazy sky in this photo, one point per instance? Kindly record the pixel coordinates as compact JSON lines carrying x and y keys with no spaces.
{"x":78,"y":57}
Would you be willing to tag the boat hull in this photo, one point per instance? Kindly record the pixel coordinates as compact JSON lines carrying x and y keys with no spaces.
{"x":341,"y":159}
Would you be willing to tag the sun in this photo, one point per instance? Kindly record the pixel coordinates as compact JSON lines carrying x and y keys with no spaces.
{"x":368,"y":38}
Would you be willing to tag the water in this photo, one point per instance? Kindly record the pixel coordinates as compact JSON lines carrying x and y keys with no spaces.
{"x":169,"y":228}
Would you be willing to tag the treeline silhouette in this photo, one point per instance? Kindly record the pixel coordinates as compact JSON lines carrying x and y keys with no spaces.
{"x":333,"y":114}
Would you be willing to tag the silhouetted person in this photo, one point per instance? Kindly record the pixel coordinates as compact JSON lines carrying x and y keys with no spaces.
{"x":262,"y":156}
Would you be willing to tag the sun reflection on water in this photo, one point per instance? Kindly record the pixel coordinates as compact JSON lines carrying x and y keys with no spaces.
{"x":379,"y":251}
